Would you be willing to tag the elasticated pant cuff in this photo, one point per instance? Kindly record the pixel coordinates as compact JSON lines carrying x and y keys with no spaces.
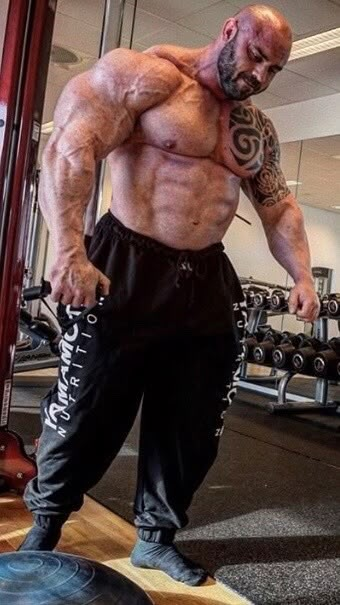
{"x":160,"y":536}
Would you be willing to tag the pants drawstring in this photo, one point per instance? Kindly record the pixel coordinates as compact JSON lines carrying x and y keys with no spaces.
{"x":187,"y":268}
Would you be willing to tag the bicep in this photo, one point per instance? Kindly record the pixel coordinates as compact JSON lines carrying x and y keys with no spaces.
{"x":268,"y":187}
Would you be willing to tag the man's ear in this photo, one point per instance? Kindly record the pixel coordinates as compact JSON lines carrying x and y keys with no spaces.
{"x":230,"y":29}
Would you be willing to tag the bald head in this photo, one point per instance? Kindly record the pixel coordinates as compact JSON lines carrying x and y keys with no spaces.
{"x":253,"y":46}
{"x":257,"y":17}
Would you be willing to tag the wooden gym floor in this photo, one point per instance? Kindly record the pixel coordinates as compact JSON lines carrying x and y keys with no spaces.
{"x":98,"y":534}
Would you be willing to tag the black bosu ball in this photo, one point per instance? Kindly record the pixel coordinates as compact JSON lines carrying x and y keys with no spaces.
{"x":53,"y":578}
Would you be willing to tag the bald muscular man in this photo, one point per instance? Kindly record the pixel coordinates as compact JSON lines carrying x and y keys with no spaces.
{"x":181,"y":138}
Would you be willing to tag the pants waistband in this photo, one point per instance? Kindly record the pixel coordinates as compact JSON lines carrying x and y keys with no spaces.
{"x":109,"y":222}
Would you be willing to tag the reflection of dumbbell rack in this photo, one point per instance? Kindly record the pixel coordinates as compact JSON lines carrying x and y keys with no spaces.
{"x":254,"y":320}
{"x":296,"y":403}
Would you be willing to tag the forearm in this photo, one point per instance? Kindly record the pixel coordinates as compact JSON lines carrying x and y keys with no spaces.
{"x":64,"y":192}
{"x":288,"y":243}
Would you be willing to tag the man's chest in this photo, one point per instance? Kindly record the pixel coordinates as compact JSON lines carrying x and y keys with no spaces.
{"x":194,"y":123}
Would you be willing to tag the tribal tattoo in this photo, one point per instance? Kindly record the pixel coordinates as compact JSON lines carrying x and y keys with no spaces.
{"x":255,"y":147}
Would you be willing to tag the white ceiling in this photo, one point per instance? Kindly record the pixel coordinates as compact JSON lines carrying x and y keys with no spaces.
{"x":195,"y":23}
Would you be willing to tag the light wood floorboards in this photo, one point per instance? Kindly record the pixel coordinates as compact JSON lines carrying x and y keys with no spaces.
{"x":98,"y":534}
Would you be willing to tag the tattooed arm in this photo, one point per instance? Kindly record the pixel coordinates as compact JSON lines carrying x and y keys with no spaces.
{"x":283,"y":223}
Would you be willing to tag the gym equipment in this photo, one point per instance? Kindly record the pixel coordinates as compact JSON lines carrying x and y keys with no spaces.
{"x":250,"y":343}
{"x":282,"y":354}
{"x":326,"y":362}
{"x":43,"y":334}
{"x":262,"y":353}
{"x":322,"y":280}
{"x":16,"y":467}
{"x":320,"y":401}
{"x":302,"y":360}
{"x":261,"y":300}
{"x":324,"y":305}
{"x":333,"y":306}
{"x":24,"y":68}
{"x":54,"y":578}
{"x":288,"y":346}
{"x":278,"y":301}
{"x":249,"y":294}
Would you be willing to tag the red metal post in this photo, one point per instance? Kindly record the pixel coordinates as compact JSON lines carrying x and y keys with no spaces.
{"x":23,"y":79}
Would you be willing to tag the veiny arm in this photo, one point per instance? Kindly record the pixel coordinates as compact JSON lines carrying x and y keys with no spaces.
{"x":96,"y":112}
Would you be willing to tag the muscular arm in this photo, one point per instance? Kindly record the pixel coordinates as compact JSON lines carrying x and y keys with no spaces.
{"x":96,"y":112}
{"x":283,"y":223}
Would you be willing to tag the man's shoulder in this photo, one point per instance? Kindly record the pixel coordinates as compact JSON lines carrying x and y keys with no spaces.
{"x":248,"y":111}
{"x":141,"y":67}
{"x":137,"y":60}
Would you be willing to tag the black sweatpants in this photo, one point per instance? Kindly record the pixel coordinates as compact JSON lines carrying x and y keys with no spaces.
{"x":168,"y":337}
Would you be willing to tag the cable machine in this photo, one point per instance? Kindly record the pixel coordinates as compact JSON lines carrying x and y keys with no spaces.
{"x":24,"y":68}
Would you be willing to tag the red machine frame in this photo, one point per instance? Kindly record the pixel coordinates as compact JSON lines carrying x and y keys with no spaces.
{"x":24,"y":68}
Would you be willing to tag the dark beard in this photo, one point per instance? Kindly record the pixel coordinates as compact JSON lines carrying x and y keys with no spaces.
{"x":226,"y":65}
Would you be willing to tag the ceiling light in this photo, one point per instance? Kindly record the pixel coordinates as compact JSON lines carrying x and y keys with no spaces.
{"x":292,"y":183}
{"x":63,"y":56}
{"x":336,"y":157}
{"x":315,"y":44}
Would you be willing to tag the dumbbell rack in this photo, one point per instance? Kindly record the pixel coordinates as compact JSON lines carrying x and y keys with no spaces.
{"x":286,"y":403}
{"x":320,"y":401}
{"x":254,"y":317}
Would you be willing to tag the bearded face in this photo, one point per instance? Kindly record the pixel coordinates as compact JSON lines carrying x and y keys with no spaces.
{"x":236,"y":85}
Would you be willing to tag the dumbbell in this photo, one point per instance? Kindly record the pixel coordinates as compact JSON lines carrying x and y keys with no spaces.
{"x":326,"y":363}
{"x":282,"y":354}
{"x":261,"y":300}
{"x":262,"y":353}
{"x":303,"y":359}
{"x":249,"y":294}
{"x":334,"y":306}
{"x":338,"y":370}
{"x":251,"y":342}
{"x":278,"y":301}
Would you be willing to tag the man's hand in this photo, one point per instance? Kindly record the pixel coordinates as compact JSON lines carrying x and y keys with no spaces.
{"x":76,"y":282}
{"x":304,"y":301}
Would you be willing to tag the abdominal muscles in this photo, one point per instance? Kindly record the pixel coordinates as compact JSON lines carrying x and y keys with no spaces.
{"x":184,"y":202}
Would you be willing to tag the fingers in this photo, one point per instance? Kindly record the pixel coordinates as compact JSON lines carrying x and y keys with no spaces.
{"x":293,"y":302}
{"x":304,"y":304}
{"x":87,"y":296}
{"x":104,"y":284}
{"x":309,"y":312}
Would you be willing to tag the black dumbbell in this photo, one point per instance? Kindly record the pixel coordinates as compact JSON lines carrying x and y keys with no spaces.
{"x":334,"y":306}
{"x":250,"y":343}
{"x":326,"y":362}
{"x":249,"y":294}
{"x":303,"y":358}
{"x":278,"y":301}
{"x":262,"y":353}
{"x":283,"y":353}
{"x":261,"y":300}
